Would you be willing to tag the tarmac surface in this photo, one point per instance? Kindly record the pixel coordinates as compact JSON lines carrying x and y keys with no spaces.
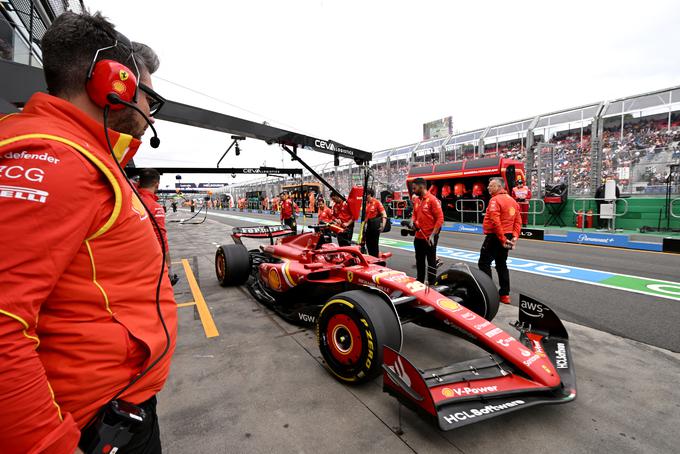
{"x":258,"y":385}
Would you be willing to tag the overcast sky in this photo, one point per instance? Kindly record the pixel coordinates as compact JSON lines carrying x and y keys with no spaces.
{"x":369,"y":73}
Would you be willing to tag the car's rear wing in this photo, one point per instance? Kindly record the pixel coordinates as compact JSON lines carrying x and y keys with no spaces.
{"x":260,"y":231}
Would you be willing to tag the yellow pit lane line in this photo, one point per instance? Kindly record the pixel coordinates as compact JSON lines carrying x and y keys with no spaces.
{"x":203,"y":311}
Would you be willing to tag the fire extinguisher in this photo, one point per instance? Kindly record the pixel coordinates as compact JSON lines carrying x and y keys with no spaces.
{"x":579,"y":219}
{"x":589,"y":219}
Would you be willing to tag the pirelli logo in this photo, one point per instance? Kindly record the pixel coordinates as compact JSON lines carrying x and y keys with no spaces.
{"x":28,"y":194}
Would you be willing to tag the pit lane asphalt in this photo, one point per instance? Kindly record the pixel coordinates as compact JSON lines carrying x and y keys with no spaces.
{"x":260,"y":386}
{"x":643,"y":318}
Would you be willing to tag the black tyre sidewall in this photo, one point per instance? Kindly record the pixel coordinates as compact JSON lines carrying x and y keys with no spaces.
{"x":479,"y":286}
{"x":237,"y":264}
{"x":383,"y":329}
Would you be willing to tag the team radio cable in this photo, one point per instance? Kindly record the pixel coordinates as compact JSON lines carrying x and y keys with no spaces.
{"x":158,"y":231}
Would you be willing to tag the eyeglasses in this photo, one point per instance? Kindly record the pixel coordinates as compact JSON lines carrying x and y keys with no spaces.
{"x":155,"y":100}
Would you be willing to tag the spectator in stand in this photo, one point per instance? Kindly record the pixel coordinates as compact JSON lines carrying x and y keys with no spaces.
{"x":502,"y":226}
{"x":288,"y":208}
{"x":325,"y":213}
{"x":342,"y":216}
{"x":376,"y":218}
{"x":427,"y":220}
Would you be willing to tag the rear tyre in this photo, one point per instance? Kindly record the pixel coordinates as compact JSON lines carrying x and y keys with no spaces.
{"x":352,"y":329}
{"x":476,"y":289}
{"x":232,"y":264}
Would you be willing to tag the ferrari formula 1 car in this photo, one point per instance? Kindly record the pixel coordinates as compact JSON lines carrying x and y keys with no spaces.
{"x":358,"y":306}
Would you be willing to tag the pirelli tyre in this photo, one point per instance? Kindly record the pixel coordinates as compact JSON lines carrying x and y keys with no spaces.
{"x":232,"y":264}
{"x":476,"y":289}
{"x":352,"y":329}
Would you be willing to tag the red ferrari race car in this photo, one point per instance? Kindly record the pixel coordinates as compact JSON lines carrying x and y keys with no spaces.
{"x":357,"y":305}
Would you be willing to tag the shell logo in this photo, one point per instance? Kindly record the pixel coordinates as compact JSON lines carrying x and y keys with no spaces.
{"x":138,"y":207}
{"x":350,"y":276}
{"x":512,"y":211}
{"x":274,"y":279}
{"x":118,"y":86}
{"x":449,"y":305}
{"x":123,"y":75}
{"x":447,"y":392}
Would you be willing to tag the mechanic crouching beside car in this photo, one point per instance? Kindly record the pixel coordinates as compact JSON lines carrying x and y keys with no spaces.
{"x":342,"y":216}
{"x":427,"y":220}
{"x":502,"y":226}
{"x":88,"y":319}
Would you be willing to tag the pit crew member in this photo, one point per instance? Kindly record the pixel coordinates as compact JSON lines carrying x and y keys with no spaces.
{"x":79,"y":315}
{"x":288,"y":208}
{"x":375,"y":222}
{"x":342,"y":216}
{"x":427,"y":220}
{"x":502,"y":226}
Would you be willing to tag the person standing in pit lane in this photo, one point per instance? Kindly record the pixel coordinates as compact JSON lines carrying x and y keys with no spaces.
{"x":342,"y":216}
{"x":82,"y":311}
{"x":522,"y":194}
{"x":375,"y":222}
{"x":427,"y":221}
{"x":325,"y":213}
{"x":502,"y":226}
{"x":149,"y":179}
{"x":288,"y":208}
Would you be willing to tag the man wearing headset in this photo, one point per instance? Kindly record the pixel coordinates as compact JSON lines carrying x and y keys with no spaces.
{"x":87,"y":314}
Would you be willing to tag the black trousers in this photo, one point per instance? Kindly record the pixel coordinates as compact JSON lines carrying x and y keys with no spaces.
{"x":426,"y":252}
{"x":373,"y":236}
{"x":292,"y":223}
{"x":345,"y":238}
{"x":493,"y":250}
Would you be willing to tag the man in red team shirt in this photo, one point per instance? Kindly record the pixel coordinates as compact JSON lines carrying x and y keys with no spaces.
{"x":149,"y":179}
{"x":342,"y":216}
{"x":80,"y":315}
{"x":288,"y":212}
{"x":325,"y":213}
{"x":376,"y":218}
{"x":428,"y":220}
{"x":502,"y":226}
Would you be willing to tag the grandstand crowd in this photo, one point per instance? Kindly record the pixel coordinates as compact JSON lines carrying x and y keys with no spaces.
{"x":637,"y":153}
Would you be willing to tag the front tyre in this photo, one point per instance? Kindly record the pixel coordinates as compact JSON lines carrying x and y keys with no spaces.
{"x":476,"y":289}
{"x":352,"y":329}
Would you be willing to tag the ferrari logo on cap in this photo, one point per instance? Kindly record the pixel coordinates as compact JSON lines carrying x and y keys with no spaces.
{"x":123,"y":75}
